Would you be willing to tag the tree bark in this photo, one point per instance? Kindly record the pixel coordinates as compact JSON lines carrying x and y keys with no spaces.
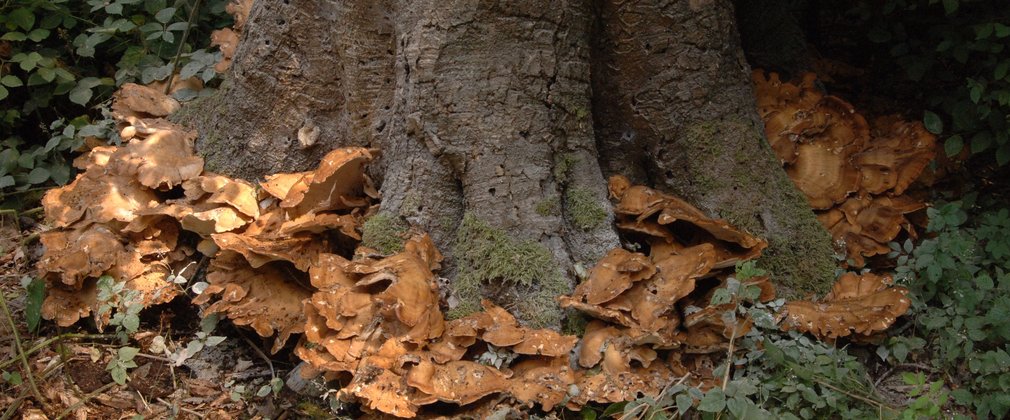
{"x":491,"y":137}
{"x":674,"y":102}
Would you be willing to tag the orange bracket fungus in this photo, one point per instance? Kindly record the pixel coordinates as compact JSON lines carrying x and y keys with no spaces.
{"x":284,"y":258}
{"x":844,"y":166}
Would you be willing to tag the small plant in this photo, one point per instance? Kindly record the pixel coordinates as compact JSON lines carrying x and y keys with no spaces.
{"x":128,"y":304}
{"x":960,"y":283}
{"x":119,"y":364}
{"x":930,"y":397}
{"x":768,"y":374}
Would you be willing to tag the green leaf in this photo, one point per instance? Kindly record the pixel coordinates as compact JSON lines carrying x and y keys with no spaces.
{"x":953,"y":145}
{"x":6,"y":181}
{"x":36,"y":293}
{"x":714,"y":401}
{"x":3,"y":92}
{"x":126,"y":354}
{"x":1003,"y":154}
{"x":684,"y":403}
{"x":60,"y":173}
{"x":13,"y":378}
{"x":38,"y":34}
{"x":981,"y":142}
{"x":950,"y":6}
{"x":11,"y":80}
{"x":1002,"y":31}
{"x":14,"y":36}
{"x":38,"y":175}
{"x":215,"y":340}
{"x":131,"y":323}
{"x":118,"y":374}
{"x":263,"y":391}
{"x":80,"y":96}
{"x":615,"y":408}
{"x":22,"y":17}
{"x":932,"y":122}
{"x":165,"y":15}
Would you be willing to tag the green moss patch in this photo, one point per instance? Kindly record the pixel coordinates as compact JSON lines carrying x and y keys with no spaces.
{"x":384,"y":232}
{"x":583,"y":209}
{"x":489,"y":258}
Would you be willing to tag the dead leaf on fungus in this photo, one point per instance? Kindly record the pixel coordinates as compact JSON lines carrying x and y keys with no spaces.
{"x":860,"y":305}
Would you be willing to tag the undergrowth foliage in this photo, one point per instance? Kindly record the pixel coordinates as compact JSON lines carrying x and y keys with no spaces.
{"x":61,"y":59}
{"x":769,"y":374}
{"x":960,"y":282}
{"x":958,"y":48}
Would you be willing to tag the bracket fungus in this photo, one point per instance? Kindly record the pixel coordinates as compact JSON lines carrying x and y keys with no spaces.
{"x":835,"y":157}
{"x":285,"y":258}
{"x":859,"y":305}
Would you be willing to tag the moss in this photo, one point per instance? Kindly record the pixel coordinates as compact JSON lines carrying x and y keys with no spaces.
{"x":384,"y":232}
{"x":575,"y":323}
{"x":312,"y":411}
{"x":800,"y":254}
{"x":549,"y":206}
{"x":489,"y":258}
{"x":563,"y":166}
{"x":583,"y":209}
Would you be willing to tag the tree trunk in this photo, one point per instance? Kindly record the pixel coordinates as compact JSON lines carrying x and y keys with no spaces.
{"x":491,"y":137}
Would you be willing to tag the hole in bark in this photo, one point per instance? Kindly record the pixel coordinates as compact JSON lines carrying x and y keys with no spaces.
{"x":524,"y":134}
{"x":648,"y":46}
{"x":280,"y":22}
{"x":380,"y":127}
{"x":267,"y":42}
{"x":287,"y":1}
{"x":669,"y":174}
{"x":491,"y":191}
{"x":420,"y":208}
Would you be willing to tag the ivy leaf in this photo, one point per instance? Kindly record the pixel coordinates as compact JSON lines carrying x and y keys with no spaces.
{"x":932,"y":122}
{"x":3,"y":92}
{"x":6,"y":180}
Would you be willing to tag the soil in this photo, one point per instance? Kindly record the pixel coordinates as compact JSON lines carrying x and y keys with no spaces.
{"x":88,"y":376}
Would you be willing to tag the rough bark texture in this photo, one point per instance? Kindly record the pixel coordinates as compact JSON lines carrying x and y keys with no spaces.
{"x":673,"y":95}
{"x":484,"y":115}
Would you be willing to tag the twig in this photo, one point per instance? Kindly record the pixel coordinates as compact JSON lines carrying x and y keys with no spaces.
{"x":47,"y":342}
{"x":21,"y":354}
{"x":273,"y":374}
{"x":31,"y":212}
{"x":85,"y":400}
{"x":182,"y":44}
{"x":13,"y":408}
{"x":729,"y":354}
{"x":858,"y":397}
{"x":153,"y":357}
{"x":170,"y":406}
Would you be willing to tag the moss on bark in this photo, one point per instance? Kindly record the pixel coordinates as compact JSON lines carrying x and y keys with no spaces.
{"x":488,"y":257}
